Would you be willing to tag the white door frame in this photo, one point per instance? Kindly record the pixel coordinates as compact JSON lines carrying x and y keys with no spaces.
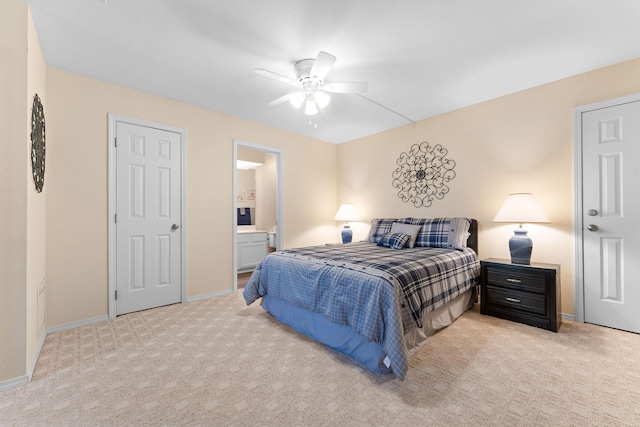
{"x":578,"y":203}
{"x":278,"y":153}
{"x":111,"y":135}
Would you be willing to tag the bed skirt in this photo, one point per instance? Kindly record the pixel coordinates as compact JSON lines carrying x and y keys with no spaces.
{"x":345,"y":340}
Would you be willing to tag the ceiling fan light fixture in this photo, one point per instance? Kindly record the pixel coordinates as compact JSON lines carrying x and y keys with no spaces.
{"x":322,"y":99}
{"x":311,"y":108}
{"x":296,"y":99}
{"x":313,"y":91}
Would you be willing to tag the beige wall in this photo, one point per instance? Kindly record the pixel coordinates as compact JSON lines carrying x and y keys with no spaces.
{"x":22,"y":210}
{"x":266,"y":193}
{"x":518,"y":143}
{"x":13,"y":184}
{"x":250,"y":155}
{"x":36,"y":203}
{"x":246,"y":181}
{"x":77,"y":189}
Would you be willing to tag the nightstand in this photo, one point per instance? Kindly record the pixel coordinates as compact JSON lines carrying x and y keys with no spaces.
{"x":527,"y":294}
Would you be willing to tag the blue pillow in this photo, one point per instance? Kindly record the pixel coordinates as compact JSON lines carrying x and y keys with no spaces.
{"x":394,"y":240}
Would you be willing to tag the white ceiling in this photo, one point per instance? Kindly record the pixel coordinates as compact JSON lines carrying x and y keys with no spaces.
{"x":421,"y":58}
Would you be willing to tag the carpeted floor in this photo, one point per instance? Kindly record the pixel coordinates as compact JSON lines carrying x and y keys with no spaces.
{"x":218,"y":362}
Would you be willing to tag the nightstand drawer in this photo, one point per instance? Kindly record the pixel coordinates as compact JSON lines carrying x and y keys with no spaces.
{"x":533,"y":303}
{"x":513,"y":280}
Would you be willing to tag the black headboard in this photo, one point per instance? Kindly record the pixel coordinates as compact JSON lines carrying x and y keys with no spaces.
{"x":472,"y":241}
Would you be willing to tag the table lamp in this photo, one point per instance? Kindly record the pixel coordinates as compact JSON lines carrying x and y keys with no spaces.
{"x":520,"y":208}
{"x":346,"y":213}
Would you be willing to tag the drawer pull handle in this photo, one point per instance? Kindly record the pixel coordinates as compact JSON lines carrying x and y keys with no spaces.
{"x":513,"y":299}
{"x":514,"y":280}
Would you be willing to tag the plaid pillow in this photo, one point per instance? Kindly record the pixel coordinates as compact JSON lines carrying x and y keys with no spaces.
{"x":442,"y":232}
{"x":380,"y":227}
{"x":394,"y":240}
{"x":411,"y":229}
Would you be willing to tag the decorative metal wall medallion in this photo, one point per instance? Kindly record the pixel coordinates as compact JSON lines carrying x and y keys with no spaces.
{"x":37,"y":143}
{"x":423,"y":174}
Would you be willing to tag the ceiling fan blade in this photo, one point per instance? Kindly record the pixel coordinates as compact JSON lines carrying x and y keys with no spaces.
{"x":322,"y":65}
{"x":275,"y":76}
{"x":353,"y":87}
{"x":283,"y":98}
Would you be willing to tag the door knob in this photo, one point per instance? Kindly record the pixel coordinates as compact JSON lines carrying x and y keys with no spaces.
{"x":592,"y":227}
{"x":174,"y":227}
{"x":592,"y":212}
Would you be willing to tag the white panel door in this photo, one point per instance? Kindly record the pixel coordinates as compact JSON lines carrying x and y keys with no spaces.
{"x":148,"y":241}
{"x":611,"y":211}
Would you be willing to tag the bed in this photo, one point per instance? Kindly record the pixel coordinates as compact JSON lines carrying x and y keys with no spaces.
{"x":376,"y":300}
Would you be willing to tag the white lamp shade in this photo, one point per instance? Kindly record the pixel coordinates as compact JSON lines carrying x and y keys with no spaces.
{"x":311,"y":108}
{"x":296,"y":99}
{"x":346,"y":213}
{"x":322,"y":99}
{"x":520,"y":208}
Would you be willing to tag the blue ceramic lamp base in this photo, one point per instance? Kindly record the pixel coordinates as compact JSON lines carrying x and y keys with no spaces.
{"x":520,"y":246}
{"x":347,"y":234}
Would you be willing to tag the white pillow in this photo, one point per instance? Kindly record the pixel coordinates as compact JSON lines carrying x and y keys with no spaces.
{"x":458,"y":233}
{"x":410,"y":229}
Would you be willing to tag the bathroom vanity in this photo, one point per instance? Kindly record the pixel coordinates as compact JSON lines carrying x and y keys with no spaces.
{"x":251,"y":248}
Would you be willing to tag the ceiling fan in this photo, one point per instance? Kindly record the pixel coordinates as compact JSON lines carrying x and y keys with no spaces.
{"x":313,"y":90}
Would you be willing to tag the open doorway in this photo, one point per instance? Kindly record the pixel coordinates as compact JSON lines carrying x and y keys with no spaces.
{"x":257,"y":205}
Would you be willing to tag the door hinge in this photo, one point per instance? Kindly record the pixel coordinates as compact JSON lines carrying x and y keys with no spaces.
{"x":116,"y":218}
{"x":116,"y":294}
{"x":115,"y":142}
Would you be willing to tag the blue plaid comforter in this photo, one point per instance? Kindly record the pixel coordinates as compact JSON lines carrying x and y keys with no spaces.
{"x":379,"y":292}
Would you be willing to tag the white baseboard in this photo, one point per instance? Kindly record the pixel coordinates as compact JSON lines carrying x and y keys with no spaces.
{"x":25,"y":379}
{"x":15,"y":382}
{"x":36,"y":356}
{"x":568,"y":317}
{"x":77,"y":324}
{"x":211,"y":295}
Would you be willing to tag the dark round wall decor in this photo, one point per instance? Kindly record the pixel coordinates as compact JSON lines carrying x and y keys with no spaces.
{"x":37,"y":143}
{"x":423,"y":174}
